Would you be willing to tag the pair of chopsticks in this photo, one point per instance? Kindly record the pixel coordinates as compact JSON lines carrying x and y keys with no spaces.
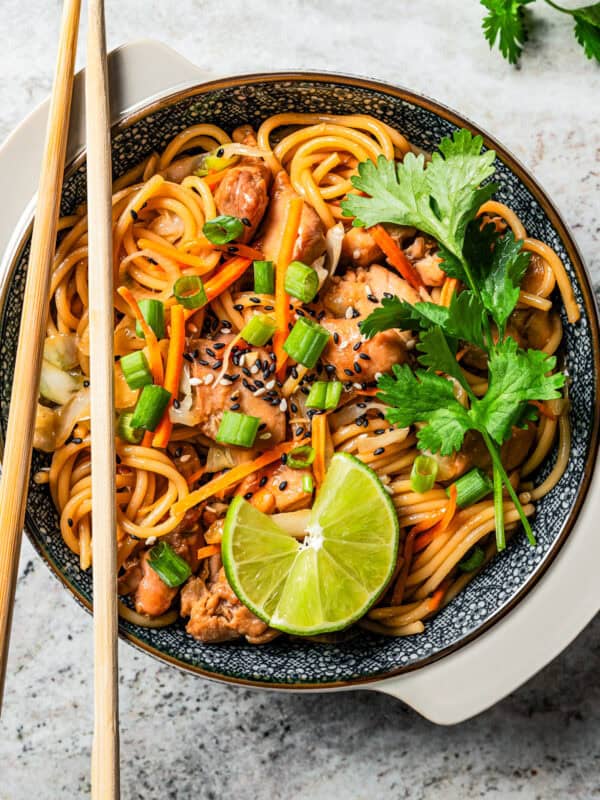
{"x":21,"y":423}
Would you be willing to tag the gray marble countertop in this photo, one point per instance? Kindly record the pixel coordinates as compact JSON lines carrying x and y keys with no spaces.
{"x":183,"y":737}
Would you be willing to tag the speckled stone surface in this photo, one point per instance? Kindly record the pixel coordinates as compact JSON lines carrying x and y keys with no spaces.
{"x":183,"y":737}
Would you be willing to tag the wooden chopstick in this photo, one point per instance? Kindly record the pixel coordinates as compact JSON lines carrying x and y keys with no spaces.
{"x":105,"y":753}
{"x":23,"y":403}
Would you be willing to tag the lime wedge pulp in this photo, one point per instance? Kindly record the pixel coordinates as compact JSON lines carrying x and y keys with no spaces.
{"x":331,"y":578}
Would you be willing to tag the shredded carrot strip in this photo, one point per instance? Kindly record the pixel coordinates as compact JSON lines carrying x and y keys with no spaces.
{"x":446,"y":518}
{"x":231,"y":477}
{"x":228,"y":273}
{"x":195,"y":476}
{"x":435,"y":601}
{"x":395,"y":256}
{"x":172,"y":373}
{"x":208,"y":550}
{"x":398,"y":591}
{"x":448,"y":290}
{"x":240,"y":250}
{"x":147,"y":440}
{"x":282,"y":300}
{"x":156,"y":364}
{"x":214,"y":178}
{"x":320,"y":429}
{"x":172,"y":252}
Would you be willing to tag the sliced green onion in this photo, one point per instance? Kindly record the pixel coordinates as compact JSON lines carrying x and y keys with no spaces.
{"x":264,"y":277}
{"x":301,"y":457}
{"x":126,"y":431}
{"x":170,"y":568}
{"x":153,"y":312}
{"x":136,"y":369}
{"x":223,"y":229}
{"x":213,"y":162}
{"x":307,"y":484}
{"x":259,"y":329}
{"x":150,"y":407}
{"x":237,"y":429}
{"x":471,"y":488}
{"x":472,"y":560}
{"x":324,"y":395}
{"x":301,"y":281}
{"x":189,"y":291}
{"x":423,"y":474}
{"x":306,"y":342}
{"x":499,"y":511}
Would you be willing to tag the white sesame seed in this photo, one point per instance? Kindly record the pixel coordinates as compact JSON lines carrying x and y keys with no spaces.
{"x":185,"y":458}
{"x":235,"y":396}
{"x":349,"y":312}
{"x":151,"y":540}
{"x":283,"y":404}
{"x":254,"y":369}
{"x":260,"y":392}
{"x":368,"y":289}
{"x":357,"y":385}
{"x":266,"y":435}
{"x":410,"y":344}
{"x":225,"y":382}
{"x":242,"y":360}
{"x":356,"y":254}
{"x":195,"y":381}
{"x":377,"y":375}
{"x":225,"y":330}
{"x":208,"y":379}
{"x":270,"y":384}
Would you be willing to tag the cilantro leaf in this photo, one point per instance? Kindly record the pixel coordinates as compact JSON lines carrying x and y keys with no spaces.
{"x":587,"y":33}
{"x":515,"y":377}
{"x":438,"y":353}
{"x":499,"y":280}
{"x":505,"y":21}
{"x":425,"y":397}
{"x":439,"y":198}
{"x":463,"y":319}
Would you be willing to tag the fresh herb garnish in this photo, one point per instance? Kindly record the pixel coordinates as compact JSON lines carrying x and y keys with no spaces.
{"x":506,"y":23}
{"x":491,"y":267}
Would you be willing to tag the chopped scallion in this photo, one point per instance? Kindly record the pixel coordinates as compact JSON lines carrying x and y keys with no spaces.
{"x":301,"y":457}
{"x":172,"y":569}
{"x":264,"y":277}
{"x":472,"y":487}
{"x":136,"y":369}
{"x":150,"y":407}
{"x":153,"y":312}
{"x":473,"y":560}
{"x":189,"y":291}
{"x":307,"y":484}
{"x":423,"y":474}
{"x":237,"y":429}
{"x":223,"y":229}
{"x":301,"y":281}
{"x":126,"y":431}
{"x":258,"y":330}
{"x":324,"y":395}
{"x":306,"y":342}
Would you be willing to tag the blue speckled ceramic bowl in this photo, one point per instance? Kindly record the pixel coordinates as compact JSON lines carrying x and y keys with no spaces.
{"x":288,"y":663}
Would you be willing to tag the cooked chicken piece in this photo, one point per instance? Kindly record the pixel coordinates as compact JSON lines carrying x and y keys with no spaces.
{"x":209,"y":401}
{"x":373,"y":356}
{"x":513,"y":452}
{"x":216,"y":615}
{"x":363,"y":289}
{"x":244,"y":191}
{"x":360,"y":249}
{"x":283,"y":483}
{"x":181,"y":168}
{"x":428,"y":268}
{"x":152,"y":596}
{"x":185,"y":458}
{"x":310,"y":243}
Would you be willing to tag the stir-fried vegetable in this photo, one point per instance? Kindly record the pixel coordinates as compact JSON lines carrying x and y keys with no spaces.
{"x":171,"y":568}
{"x":237,"y":429}
{"x":306,"y":342}
{"x":150,"y":407}
{"x":189,"y":291}
{"x":223,"y":229}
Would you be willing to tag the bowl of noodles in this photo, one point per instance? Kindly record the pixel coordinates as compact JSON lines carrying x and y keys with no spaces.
{"x":221,"y":192}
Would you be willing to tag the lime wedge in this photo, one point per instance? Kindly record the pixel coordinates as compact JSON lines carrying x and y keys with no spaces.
{"x":330,"y":579}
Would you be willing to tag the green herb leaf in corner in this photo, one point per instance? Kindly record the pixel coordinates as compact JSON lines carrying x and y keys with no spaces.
{"x":587,"y":30}
{"x":505,"y":22}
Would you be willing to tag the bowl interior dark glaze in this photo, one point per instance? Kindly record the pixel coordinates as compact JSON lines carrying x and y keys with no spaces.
{"x":300,"y":663}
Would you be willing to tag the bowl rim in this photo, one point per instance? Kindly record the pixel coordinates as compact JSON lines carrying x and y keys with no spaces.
{"x":175,"y":95}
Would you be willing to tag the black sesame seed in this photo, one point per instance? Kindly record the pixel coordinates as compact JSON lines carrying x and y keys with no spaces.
{"x":86,"y":384}
{"x":70,"y":522}
{"x":299,"y":431}
{"x":220,"y":152}
{"x":284,"y":458}
{"x":364,"y":356}
{"x":294,"y":372}
{"x":235,"y":407}
{"x":255,"y":299}
{"x":357,"y":346}
{"x":357,"y":367}
{"x":329,"y":369}
{"x":245,"y":221}
{"x":219,"y":345}
{"x":203,"y":362}
{"x":379,"y":431}
{"x":372,"y":298}
{"x":320,"y":315}
{"x":294,"y":408}
{"x":300,"y":312}
{"x":348,"y":372}
{"x":248,"y":495}
{"x":259,"y":384}
{"x":210,"y":352}
{"x":218,"y":364}
{"x":388,"y":295}
{"x":118,"y":459}
{"x":336,"y":337}
{"x":232,"y":249}
{"x":176,"y":404}
{"x":152,"y":260}
{"x":246,"y":371}
{"x":225,"y":323}
{"x":283,"y":486}
{"x":262,"y":426}
{"x":304,"y":389}
{"x":133,"y":213}
{"x":379,"y":451}
{"x":262,"y":481}
{"x":361,"y":405}
{"x":188,"y":357}
{"x":239,"y":307}
{"x":269,"y":308}
{"x":245,"y":383}
{"x":76,"y":440}
{"x":272,"y":356}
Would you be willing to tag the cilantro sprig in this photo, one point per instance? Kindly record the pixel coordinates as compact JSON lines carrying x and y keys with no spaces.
{"x":506,"y":23}
{"x":442,"y":198}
